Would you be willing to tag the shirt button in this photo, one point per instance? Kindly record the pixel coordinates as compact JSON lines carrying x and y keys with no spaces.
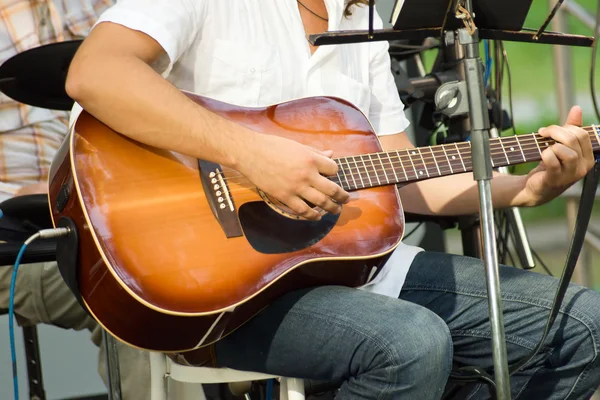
{"x":252,"y":70}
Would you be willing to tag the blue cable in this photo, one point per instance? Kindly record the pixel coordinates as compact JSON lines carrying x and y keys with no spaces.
{"x":488,"y":63}
{"x":11,"y":310}
{"x":269,"y":394}
{"x":11,"y":327}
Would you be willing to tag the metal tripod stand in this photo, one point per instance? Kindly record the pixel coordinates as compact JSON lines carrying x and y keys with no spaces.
{"x":467,"y":96}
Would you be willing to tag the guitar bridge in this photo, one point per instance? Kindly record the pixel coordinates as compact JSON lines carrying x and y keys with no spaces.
{"x":219,"y":198}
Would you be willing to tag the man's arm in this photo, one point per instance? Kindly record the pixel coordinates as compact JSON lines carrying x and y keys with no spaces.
{"x":111,"y":78}
{"x":452,"y":194}
{"x":563,"y":165}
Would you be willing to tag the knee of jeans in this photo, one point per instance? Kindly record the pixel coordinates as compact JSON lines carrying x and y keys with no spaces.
{"x":423,"y":347}
{"x":586,"y":311}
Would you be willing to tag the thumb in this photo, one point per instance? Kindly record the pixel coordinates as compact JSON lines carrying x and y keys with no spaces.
{"x":326,"y":153}
{"x":575,"y":116}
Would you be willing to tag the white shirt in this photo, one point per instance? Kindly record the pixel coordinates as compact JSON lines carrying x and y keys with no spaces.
{"x":255,"y":53}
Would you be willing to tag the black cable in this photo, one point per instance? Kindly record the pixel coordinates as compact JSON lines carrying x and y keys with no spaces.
{"x":548,"y":19}
{"x":499,"y":60}
{"x":510,"y":96}
{"x":507,"y":235}
{"x":588,"y":194}
{"x":501,"y":243}
{"x":586,"y":203}
{"x":412,"y":231}
{"x":409,"y":52}
{"x":593,"y":63}
{"x":544,"y":266}
{"x":412,"y":46}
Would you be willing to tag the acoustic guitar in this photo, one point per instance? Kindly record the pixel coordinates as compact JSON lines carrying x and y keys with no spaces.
{"x":176,"y":252}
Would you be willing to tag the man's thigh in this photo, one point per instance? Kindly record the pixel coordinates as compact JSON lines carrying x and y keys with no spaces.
{"x":333,"y":333}
{"x":454,"y":287}
{"x":41,"y":296}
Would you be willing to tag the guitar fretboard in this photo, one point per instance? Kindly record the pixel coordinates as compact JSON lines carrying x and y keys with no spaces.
{"x":407,"y":165}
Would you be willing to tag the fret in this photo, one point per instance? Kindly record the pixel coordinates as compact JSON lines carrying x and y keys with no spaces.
{"x":496,"y":153}
{"x":512,"y":150}
{"x":362,"y":183}
{"x":447,"y":159}
{"x":424,"y":163}
{"x":511,"y":145}
{"x":384,"y":170}
{"x":460,"y":156}
{"x":435,"y":161}
{"x":454,"y":154}
{"x":394,"y":168}
{"x":339,"y":180}
{"x":366,"y":171}
{"x":413,"y":164}
{"x":535,"y":139}
{"x":351,"y":173}
{"x":520,"y":147}
{"x":544,"y":143}
{"x":341,"y":169}
{"x":375,"y":169}
{"x":504,"y":150}
{"x":402,"y":165}
{"x":595,"y":129}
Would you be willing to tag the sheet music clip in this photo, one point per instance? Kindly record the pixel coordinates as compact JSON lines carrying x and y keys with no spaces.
{"x":464,"y":15}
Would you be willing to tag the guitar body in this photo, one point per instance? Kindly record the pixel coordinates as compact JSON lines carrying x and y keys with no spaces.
{"x":174,"y":253}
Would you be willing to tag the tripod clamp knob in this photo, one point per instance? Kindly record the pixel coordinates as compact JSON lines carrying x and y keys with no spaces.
{"x":451,"y":98}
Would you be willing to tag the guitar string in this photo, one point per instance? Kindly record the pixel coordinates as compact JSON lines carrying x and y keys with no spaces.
{"x":244,"y":194}
{"x":439,"y":150}
{"x":439,"y":159}
{"x":352,"y":182}
{"x":383,"y":175}
{"x":514,"y":156}
{"x":358,"y":184}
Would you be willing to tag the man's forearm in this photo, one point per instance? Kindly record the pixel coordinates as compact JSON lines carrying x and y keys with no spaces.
{"x":432,"y":197}
{"x":125,"y":93}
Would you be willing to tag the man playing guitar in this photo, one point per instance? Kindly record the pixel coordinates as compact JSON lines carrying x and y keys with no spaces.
{"x":401,"y":335}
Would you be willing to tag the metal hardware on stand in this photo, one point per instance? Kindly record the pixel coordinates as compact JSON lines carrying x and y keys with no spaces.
{"x":34,"y":367}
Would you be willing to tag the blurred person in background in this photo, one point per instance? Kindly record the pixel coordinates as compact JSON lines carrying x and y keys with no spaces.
{"x":29,"y":139}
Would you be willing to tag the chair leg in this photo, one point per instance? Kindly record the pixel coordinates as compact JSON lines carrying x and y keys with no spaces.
{"x":292,"y":389}
{"x":283,"y":389}
{"x":185,"y":390}
{"x":113,"y":371}
{"x":158,"y":376}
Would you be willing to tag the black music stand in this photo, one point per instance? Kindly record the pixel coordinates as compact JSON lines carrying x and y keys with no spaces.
{"x":470,"y":87}
{"x":494,"y":31}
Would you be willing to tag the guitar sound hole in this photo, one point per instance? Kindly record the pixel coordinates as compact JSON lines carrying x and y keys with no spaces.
{"x":271,"y":233}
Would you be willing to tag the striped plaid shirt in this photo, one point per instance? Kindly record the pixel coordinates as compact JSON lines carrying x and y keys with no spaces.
{"x":30,"y":136}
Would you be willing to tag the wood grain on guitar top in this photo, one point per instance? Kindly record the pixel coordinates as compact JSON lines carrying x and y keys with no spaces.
{"x":168,"y":257}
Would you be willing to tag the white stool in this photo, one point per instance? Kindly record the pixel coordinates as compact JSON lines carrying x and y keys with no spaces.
{"x":185,"y":382}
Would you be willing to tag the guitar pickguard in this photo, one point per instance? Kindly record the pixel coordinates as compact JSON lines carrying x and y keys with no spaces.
{"x":272,"y":233}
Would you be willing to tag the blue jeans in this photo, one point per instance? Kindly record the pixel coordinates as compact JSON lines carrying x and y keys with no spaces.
{"x":379,"y":347}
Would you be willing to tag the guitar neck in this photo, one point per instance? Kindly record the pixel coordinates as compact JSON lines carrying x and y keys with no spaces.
{"x":409,"y":165}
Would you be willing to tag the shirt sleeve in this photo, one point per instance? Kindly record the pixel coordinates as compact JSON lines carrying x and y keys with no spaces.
{"x":174,"y":24}
{"x":386,"y":112}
